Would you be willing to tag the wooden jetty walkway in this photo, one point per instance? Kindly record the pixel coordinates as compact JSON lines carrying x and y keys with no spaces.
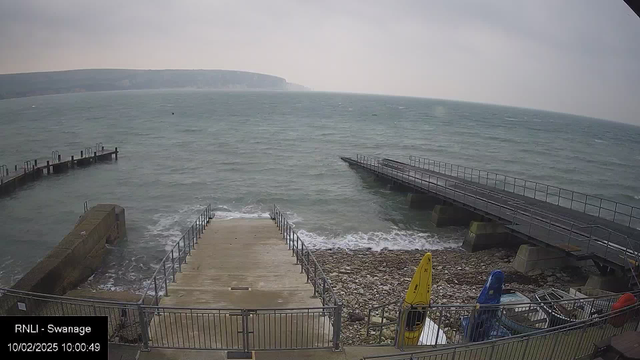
{"x":534,"y":215}
{"x":33,"y":169}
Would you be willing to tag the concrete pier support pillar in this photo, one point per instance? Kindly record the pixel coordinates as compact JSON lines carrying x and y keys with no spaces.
{"x":60,"y":167}
{"x":531,"y":257}
{"x":394,"y":186}
{"x":612,"y":282}
{"x":449,"y":215}
{"x":485,"y":235}
{"x":422,"y":201}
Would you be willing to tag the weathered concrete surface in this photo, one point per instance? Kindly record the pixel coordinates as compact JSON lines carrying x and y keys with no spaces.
{"x":236,"y":253}
{"x":78,"y":255}
{"x":241,"y":253}
{"x":613,"y":283}
{"x":443,"y":215}
{"x":531,"y":257}
{"x":422,"y":201}
{"x":485,"y":235}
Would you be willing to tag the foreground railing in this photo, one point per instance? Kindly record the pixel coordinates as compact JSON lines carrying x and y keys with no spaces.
{"x":621,"y":213}
{"x":461,"y":323}
{"x":188,"y":328}
{"x":124,"y":317}
{"x":172,"y":262}
{"x":309,"y":265}
{"x":608,"y":245}
{"x":241,"y":329}
{"x":570,"y":341}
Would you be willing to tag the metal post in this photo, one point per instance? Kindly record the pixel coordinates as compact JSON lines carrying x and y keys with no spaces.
{"x":48,"y":169}
{"x":173,"y":266}
{"x":155,"y":287}
{"x":95,"y":156}
{"x":143,"y":328}
{"x":302,"y":259}
{"x":337,"y":326}
{"x":315,"y":279}
{"x":438,"y":327}
{"x":324,"y":287}
{"x":308,"y":266}
{"x":608,"y":244}
{"x":116,"y":153}
{"x":166,"y":285}
{"x":570,"y":234}
{"x":179,"y":258}
{"x":546,"y":198}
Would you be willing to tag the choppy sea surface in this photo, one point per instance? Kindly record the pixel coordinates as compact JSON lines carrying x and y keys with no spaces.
{"x":244,"y":151}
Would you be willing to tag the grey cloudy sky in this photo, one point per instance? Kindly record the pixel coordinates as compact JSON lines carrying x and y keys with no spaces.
{"x":576,"y":56}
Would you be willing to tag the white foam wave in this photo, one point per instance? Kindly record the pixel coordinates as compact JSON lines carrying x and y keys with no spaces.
{"x":247,"y":212}
{"x":166,"y":229}
{"x":376,"y":241}
{"x":637,"y":197}
{"x":226,"y":215}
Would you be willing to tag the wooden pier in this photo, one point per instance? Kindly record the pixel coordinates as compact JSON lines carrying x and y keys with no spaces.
{"x":32,"y":170}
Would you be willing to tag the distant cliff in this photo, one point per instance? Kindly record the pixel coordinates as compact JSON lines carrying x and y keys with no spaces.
{"x":62,"y":82}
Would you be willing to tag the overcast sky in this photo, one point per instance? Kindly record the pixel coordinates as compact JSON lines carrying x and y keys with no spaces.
{"x":576,"y":56}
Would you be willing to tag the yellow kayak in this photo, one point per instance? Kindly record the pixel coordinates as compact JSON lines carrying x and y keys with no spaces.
{"x":419,"y":294}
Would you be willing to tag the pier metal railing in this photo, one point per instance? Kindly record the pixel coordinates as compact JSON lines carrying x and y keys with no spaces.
{"x":304,"y":257}
{"x":571,"y":341}
{"x":458,"y":323}
{"x":608,"y":245}
{"x":322,"y":287}
{"x":615,"y":211}
{"x":171,"y":263}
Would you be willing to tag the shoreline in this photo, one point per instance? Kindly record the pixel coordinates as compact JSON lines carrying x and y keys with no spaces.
{"x":365,"y":278}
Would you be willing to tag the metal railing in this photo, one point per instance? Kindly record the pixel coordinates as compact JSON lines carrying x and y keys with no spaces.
{"x":615,"y":211}
{"x":608,"y":245}
{"x":172,"y":262}
{"x":124,"y":318}
{"x":240,"y":329}
{"x":309,"y":265}
{"x":4,"y":170}
{"x":461,"y":323}
{"x":631,"y":263}
{"x":569,"y":341}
